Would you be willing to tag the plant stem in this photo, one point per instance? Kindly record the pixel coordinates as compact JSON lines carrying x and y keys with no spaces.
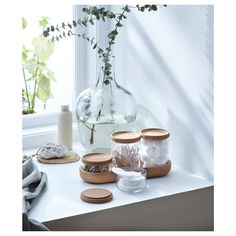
{"x":109,"y":47}
{"x":87,"y":38}
{"x":26,"y":87}
{"x":35,"y":86}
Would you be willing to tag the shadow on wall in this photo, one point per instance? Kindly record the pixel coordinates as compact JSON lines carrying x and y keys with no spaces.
{"x":190,"y":119}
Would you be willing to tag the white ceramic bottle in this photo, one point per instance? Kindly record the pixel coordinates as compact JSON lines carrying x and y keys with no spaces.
{"x":64,"y":127}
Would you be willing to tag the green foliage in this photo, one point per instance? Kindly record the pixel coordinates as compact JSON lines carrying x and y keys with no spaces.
{"x":37,"y":77}
{"x":44,"y":89}
{"x":96,"y":13}
{"x":43,"y":22}
{"x":24,"y":23}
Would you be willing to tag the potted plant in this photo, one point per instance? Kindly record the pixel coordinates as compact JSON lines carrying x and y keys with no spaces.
{"x":37,"y":77}
{"x":106,"y":106}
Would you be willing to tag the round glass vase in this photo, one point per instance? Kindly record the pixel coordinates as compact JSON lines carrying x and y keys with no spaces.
{"x":103,"y":109}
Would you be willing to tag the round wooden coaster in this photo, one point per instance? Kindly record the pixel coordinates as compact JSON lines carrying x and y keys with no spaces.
{"x":68,"y":158}
{"x":96,"y":195}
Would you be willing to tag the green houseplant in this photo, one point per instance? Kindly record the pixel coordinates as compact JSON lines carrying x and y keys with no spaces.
{"x":37,"y":76}
{"x":106,"y":106}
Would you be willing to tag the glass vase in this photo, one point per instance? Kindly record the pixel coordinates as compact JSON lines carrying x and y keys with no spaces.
{"x":102,"y":109}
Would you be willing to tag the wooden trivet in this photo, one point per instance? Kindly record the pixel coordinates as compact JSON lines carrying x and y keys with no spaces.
{"x":96,"y":195}
{"x":68,"y":158}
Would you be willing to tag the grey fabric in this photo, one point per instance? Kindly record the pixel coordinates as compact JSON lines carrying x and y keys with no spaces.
{"x":33,"y":185}
{"x":32,"y":225}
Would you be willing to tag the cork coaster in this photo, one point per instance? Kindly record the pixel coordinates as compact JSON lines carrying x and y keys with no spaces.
{"x":96,"y":195}
{"x":68,"y":158}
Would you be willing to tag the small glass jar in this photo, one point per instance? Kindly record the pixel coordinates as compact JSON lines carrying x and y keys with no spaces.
{"x":134,"y":180}
{"x":125,"y":149}
{"x":154,"y":147}
{"x":97,"y":162}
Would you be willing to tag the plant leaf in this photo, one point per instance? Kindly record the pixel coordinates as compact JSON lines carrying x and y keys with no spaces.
{"x":43,"y":22}
{"x":43,"y":49}
{"x":24,"y":23}
{"x":119,"y":24}
{"x":154,"y":7}
{"x":44,"y":89}
{"x":24,"y":53}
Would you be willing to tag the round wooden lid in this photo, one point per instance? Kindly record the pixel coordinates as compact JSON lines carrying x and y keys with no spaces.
{"x":154,"y":134}
{"x":96,"y":159}
{"x":125,"y":136}
{"x":96,"y":195}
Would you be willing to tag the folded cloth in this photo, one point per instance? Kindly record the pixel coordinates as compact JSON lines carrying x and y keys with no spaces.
{"x":33,"y":184}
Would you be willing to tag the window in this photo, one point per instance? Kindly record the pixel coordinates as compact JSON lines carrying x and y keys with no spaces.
{"x":41,"y":126}
{"x":61,"y":62}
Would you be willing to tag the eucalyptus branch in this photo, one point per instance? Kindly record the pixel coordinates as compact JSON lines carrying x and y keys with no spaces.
{"x":91,"y":40}
{"x":92,"y":129}
{"x":148,"y":7}
{"x":112,"y":36}
{"x":94,"y":13}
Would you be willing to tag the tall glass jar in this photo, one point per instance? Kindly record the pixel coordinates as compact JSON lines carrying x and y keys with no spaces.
{"x":103,"y":109}
{"x":125,"y":149}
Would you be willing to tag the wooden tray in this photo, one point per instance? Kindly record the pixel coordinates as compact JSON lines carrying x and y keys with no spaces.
{"x":97,"y":178}
{"x":158,"y":171}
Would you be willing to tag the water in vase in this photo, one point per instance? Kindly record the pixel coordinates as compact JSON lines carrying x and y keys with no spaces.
{"x":97,"y":137}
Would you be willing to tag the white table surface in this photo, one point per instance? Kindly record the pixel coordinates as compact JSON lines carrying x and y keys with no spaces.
{"x":62,"y":195}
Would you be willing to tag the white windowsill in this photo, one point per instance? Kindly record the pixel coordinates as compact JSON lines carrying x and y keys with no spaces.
{"x":35,"y":137}
{"x":62,"y":196}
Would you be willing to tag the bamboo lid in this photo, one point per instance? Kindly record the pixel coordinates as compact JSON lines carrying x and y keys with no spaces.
{"x":154,"y":134}
{"x":96,"y":195}
{"x":125,"y":137}
{"x":96,"y":159}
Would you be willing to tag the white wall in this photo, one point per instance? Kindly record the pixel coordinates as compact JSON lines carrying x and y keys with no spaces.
{"x":166,"y":59}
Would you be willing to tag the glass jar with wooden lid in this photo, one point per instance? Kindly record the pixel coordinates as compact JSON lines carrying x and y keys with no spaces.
{"x":97,"y":168}
{"x":125,"y":149}
{"x":154,"y":146}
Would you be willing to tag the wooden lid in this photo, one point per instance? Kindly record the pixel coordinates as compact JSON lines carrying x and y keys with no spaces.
{"x":125,"y":137}
{"x":96,"y":195}
{"x":154,"y":134}
{"x":96,"y":159}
